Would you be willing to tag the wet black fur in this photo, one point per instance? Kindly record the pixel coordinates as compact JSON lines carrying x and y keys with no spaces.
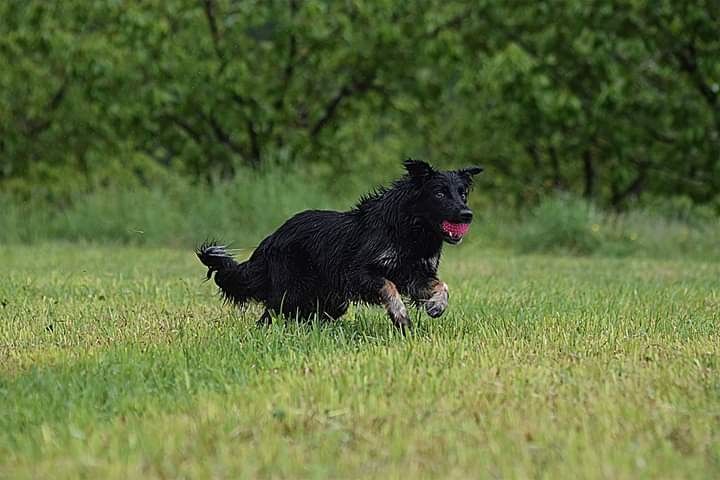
{"x":319,"y":261}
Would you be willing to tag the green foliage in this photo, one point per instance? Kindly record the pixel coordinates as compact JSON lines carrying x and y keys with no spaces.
{"x":176,"y":214}
{"x":243,"y":211}
{"x":561,"y":224}
{"x":611,"y":100}
{"x":121,"y":363}
{"x":569,"y":225}
{"x":660,"y":234}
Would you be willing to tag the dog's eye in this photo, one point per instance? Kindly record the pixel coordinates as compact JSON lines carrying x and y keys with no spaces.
{"x":439,"y":195}
{"x":463,"y":195}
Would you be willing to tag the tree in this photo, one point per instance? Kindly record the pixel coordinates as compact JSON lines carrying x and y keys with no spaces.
{"x":609,"y":99}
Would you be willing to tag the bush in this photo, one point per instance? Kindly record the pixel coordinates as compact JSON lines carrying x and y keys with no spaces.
{"x":178,"y":213}
{"x":565,"y":224}
{"x":561,"y":224}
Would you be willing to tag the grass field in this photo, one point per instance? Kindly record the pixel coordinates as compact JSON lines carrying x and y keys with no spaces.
{"x":120,"y":362}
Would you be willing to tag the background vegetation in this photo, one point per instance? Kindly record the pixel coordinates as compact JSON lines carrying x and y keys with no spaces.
{"x":611,"y":100}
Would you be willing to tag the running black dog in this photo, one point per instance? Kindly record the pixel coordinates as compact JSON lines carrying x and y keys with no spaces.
{"x":386,"y":247}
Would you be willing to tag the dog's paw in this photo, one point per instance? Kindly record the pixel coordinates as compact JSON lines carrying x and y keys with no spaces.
{"x":265,"y":320}
{"x":438,"y":303}
{"x":436,"y":308}
{"x":401,"y":320}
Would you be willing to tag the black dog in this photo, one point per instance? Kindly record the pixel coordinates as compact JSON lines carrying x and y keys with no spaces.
{"x":387,"y":246}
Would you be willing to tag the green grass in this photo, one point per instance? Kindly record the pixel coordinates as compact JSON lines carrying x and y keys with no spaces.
{"x":119,"y":362}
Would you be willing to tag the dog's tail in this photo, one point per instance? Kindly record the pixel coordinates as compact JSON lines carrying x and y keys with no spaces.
{"x":232,"y":277}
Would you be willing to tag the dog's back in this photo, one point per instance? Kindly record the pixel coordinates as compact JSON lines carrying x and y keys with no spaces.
{"x":305,"y":262}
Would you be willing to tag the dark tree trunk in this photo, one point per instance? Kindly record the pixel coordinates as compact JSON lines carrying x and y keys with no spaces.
{"x":589,"y":168}
{"x":557,"y":177}
{"x":634,"y":189}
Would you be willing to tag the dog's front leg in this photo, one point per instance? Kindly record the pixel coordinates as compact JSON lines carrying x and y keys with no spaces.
{"x":394,"y":305}
{"x":436,"y":297}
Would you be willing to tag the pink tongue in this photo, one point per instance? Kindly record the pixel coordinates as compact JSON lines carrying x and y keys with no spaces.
{"x":457,"y":229}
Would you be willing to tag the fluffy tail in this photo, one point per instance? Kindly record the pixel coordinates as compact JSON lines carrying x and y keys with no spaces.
{"x":232,"y":277}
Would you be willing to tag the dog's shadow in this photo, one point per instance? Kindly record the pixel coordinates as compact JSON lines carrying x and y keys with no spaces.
{"x":361,"y":325}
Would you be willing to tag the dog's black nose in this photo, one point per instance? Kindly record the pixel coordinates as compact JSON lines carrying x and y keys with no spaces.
{"x":465,"y":216}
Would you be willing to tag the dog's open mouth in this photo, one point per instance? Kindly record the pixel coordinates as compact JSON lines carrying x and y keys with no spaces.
{"x":454,"y":232}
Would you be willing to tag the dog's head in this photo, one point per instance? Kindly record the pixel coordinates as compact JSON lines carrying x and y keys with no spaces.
{"x":442,"y":198}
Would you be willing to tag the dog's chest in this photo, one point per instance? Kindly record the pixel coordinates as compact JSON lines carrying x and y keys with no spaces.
{"x":392,"y":260}
{"x":389,"y":258}
{"x":431,"y":263}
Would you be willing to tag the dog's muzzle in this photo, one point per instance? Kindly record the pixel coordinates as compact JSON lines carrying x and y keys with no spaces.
{"x":455,"y":231}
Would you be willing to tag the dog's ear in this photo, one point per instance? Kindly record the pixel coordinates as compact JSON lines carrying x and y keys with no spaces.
{"x":470,"y":171}
{"x":418,"y":169}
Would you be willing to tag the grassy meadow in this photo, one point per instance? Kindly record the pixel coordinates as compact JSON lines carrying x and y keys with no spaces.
{"x":582,"y":338}
{"x":119,"y":362}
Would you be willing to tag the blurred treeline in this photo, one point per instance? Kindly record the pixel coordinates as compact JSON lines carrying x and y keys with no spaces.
{"x":616,"y":101}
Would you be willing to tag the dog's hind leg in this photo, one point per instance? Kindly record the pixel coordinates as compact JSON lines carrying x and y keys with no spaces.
{"x":265,"y":319}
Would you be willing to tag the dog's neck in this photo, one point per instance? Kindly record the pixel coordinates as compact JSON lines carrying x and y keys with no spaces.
{"x":392,"y":210}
